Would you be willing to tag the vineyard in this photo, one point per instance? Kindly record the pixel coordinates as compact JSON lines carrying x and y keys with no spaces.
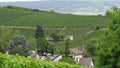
{"x":10,"y":61}
{"x":21,"y":17}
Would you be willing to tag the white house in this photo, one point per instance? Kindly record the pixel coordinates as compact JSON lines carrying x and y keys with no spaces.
{"x":76,"y":53}
{"x":78,"y":57}
{"x":70,"y":37}
{"x":57,"y":58}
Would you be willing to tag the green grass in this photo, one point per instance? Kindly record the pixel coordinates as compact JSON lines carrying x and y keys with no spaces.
{"x":7,"y":15}
{"x":78,"y":34}
{"x":20,"y":17}
{"x":94,"y":35}
{"x":51,"y":20}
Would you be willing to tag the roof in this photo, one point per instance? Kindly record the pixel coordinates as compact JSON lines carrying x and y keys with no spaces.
{"x":76,"y":51}
{"x":53,"y":57}
{"x":85,"y":61}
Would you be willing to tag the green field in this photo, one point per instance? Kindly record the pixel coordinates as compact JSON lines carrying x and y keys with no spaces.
{"x":20,"y":17}
{"x":79,"y":25}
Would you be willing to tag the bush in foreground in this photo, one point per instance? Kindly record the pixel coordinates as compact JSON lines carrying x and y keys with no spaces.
{"x":16,"y":61}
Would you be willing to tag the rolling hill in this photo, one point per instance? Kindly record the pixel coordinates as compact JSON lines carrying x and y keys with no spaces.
{"x":81,"y":27}
{"x":20,"y":17}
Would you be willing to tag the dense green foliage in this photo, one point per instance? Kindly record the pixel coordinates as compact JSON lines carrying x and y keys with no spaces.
{"x":55,"y":37}
{"x":108,"y":49}
{"x":44,"y":47}
{"x":39,"y":32}
{"x":19,"y":46}
{"x":67,"y":51}
{"x":10,"y":61}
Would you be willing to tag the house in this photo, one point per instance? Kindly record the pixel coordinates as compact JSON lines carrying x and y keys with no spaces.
{"x":86,"y":62}
{"x":76,"y":53}
{"x":49,"y":38}
{"x":59,"y":57}
{"x":54,"y":57}
{"x":70,"y":37}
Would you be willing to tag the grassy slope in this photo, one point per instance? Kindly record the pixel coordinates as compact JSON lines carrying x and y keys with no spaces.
{"x":30,"y":18}
{"x":7,"y":15}
{"x":79,"y":36}
{"x":23,"y":17}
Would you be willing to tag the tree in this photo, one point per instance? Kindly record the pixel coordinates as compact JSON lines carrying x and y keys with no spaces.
{"x":90,"y":48}
{"x":55,"y":36}
{"x":97,"y":27}
{"x":52,"y":11}
{"x":108,"y":48}
{"x":67,"y":51}
{"x":44,"y":47}
{"x":19,"y":46}
{"x":41,"y":46}
{"x":39,"y":32}
{"x":51,"y":48}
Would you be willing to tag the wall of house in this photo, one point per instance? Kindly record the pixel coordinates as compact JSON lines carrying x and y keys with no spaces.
{"x":91,"y":64}
{"x":76,"y":57}
{"x":58,"y":58}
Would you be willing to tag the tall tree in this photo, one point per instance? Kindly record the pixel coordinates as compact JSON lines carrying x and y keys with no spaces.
{"x":39,"y":32}
{"x":108,"y":48}
{"x":67,"y":51}
{"x":41,"y":45}
{"x":44,"y":47}
{"x":19,"y":46}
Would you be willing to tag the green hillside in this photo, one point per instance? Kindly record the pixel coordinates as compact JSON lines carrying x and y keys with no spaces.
{"x":81,"y":27}
{"x":7,"y":15}
{"x":20,"y":17}
{"x":10,"y":61}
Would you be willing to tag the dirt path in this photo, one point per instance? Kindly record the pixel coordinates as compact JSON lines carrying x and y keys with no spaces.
{"x":63,"y":28}
{"x":89,"y":32}
{"x":26,"y":27}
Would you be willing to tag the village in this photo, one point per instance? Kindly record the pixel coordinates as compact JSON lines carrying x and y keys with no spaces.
{"x":75,"y":53}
